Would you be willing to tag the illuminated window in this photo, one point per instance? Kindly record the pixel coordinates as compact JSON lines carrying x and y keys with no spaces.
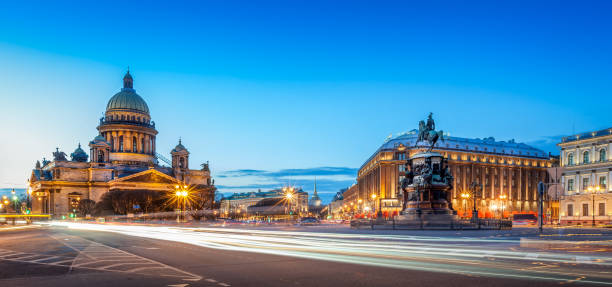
{"x":602,"y":155}
{"x":585,"y":157}
{"x":602,"y":182}
{"x":585,"y":183}
{"x":570,"y":185}
{"x":570,"y":159}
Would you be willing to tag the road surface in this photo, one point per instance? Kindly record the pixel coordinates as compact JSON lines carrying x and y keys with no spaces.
{"x":131,"y":255}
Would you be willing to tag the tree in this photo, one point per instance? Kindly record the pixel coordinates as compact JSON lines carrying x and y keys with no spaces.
{"x":202,"y":202}
{"x":85,"y":207}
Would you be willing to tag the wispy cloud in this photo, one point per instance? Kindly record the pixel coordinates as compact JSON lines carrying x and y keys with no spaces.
{"x":329,"y":179}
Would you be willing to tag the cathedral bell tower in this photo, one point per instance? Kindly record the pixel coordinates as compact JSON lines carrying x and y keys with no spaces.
{"x":99,"y":150}
{"x":180,"y":160}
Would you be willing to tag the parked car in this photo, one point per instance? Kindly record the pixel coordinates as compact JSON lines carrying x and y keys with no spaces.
{"x":524,"y":219}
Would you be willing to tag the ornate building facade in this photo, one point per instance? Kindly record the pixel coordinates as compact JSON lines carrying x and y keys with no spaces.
{"x":508,"y":173}
{"x":122,"y":157}
{"x":587,"y":169}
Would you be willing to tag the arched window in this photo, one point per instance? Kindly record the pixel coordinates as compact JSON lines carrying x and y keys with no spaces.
{"x":142,"y":145}
{"x":134,"y":145}
{"x":120,"y":143}
{"x":585,"y":157}
{"x":602,"y":155}
{"x":181,"y":162}
{"x":570,"y":159}
{"x":100,"y":156}
{"x":113,"y":144}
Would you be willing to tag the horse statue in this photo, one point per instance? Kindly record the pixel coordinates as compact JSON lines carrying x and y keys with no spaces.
{"x":428,"y":133}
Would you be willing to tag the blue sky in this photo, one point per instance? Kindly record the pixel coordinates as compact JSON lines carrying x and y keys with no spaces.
{"x":294,"y":89}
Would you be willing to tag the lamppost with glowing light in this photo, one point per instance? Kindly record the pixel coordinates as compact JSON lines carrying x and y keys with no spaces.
{"x":593,"y":190}
{"x":465,"y":197}
{"x":14,"y":197}
{"x":475,"y":187}
{"x":181,"y":198}
{"x":289,"y":196}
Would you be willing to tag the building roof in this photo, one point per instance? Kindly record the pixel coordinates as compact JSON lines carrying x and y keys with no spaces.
{"x":485,"y":145}
{"x":127,"y":99}
{"x":587,"y":135}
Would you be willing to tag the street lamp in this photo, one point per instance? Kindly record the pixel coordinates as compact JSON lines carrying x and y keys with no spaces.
{"x":181,"y":198}
{"x":289,"y":196}
{"x":475,"y":186}
{"x":593,"y":190}
{"x":465,"y":197}
{"x":502,"y":197}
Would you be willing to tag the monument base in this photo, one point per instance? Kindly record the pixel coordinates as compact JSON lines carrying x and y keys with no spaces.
{"x":428,"y":217}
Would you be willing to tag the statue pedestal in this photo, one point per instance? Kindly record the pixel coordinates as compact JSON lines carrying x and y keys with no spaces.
{"x":427,"y":201}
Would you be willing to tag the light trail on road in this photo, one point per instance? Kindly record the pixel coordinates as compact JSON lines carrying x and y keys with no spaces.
{"x":460,"y":255}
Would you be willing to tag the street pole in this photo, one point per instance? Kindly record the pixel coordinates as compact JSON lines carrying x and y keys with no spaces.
{"x":593,"y":225}
{"x":541,"y":188}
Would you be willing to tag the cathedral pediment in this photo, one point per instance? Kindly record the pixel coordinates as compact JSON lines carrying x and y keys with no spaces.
{"x":147,"y":176}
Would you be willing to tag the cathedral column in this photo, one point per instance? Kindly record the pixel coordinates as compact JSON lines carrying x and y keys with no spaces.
{"x":127,"y":141}
{"x":147,"y":147}
{"x":114,"y":141}
{"x":140,"y":143}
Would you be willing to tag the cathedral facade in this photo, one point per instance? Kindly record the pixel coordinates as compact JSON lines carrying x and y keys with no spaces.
{"x":122,"y":157}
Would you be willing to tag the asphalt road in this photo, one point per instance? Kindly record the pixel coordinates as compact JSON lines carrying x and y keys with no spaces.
{"x":58,"y":256}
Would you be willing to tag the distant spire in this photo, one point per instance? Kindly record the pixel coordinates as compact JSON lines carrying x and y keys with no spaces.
{"x":128,"y":81}
{"x":315,"y":190}
{"x":179,"y":140}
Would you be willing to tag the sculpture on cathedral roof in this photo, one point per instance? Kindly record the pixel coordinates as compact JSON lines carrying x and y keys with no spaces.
{"x":205,"y":166}
{"x":59,"y":155}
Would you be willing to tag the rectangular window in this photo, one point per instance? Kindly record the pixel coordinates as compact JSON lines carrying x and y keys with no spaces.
{"x":602,"y":182}
{"x":585,"y":209}
{"x":585,"y":183}
{"x":570,"y":210}
{"x":602,"y":209}
{"x":570,"y":185}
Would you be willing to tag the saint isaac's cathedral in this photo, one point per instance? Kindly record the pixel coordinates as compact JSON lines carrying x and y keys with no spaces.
{"x":122,"y":157}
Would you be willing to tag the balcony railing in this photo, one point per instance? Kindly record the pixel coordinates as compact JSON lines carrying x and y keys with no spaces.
{"x":126,"y":122}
